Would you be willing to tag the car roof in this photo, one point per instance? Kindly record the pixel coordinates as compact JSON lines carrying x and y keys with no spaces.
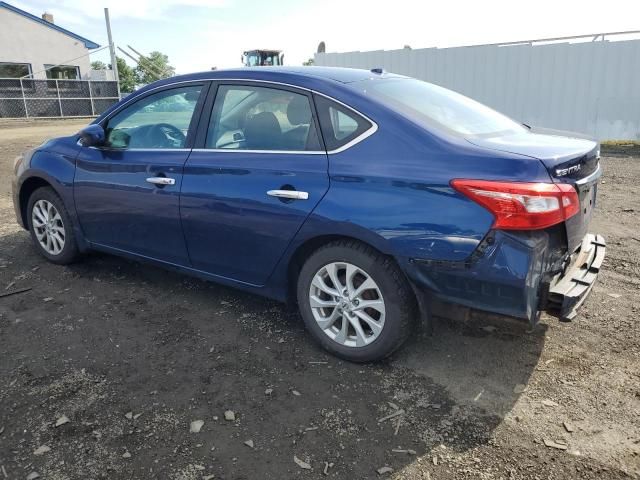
{"x":295,"y":75}
{"x":331,"y":81}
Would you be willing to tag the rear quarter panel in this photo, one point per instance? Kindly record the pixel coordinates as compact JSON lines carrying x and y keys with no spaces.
{"x":396,"y":185}
{"x":392,"y":191}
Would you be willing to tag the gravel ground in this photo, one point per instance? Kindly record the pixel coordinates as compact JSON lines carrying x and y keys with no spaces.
{"x":105,"y":364}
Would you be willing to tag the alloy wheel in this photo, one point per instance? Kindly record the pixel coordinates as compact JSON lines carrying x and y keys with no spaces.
{"x":347,"y":304}
{"x":48,"y":227}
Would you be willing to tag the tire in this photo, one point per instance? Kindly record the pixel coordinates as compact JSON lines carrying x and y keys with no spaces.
{"x":393,"y":319}
{"x":61,"y":227}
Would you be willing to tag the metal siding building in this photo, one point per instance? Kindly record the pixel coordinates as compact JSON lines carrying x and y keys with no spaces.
{"x":588,"y":87}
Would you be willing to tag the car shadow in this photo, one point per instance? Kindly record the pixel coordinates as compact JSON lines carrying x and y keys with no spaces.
{"x":143,"y":339}
{"x":479,"y":360}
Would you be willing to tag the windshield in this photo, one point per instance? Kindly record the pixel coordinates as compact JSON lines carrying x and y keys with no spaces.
{"x":258,"y":58}
{"x":271,"y":59}
{"x":437,"y":106}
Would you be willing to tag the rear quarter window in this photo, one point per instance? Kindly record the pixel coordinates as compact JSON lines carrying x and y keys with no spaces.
{"x":339,"y":124}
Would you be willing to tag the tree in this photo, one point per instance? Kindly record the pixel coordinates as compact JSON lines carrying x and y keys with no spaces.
{"x":153,"y":67}
{"x":98,"y":65}
{"x":308,"y":63}
{"x":126,"y":75}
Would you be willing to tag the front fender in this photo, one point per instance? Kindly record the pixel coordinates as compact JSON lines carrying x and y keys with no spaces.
{"x":52,"y":168}
{"x":54,"y":162}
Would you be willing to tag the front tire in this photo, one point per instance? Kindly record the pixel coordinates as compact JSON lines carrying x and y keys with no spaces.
{"x":50,"y":227}
{"x":355,"y":301}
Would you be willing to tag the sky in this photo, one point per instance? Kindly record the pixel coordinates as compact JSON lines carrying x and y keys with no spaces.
{"x":200,"y":34}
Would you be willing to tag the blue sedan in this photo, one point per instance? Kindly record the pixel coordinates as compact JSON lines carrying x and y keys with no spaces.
{"x":361,"y":195}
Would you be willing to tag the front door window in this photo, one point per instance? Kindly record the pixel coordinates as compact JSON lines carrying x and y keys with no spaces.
{"x":158,"y":121}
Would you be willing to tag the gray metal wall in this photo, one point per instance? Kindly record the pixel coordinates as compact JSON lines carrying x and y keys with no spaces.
{"x":590,"y":87}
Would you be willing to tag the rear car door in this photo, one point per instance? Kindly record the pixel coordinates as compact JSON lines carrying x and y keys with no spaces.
{"x":259,"y":172}
{"x":127,"y":193}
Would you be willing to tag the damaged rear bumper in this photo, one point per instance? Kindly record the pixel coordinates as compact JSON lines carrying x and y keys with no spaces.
{"x":518,"y":274}
{"x":569,"y":290}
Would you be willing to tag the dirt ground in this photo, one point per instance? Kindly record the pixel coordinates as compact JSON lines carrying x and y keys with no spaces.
{"x":131,"y":355}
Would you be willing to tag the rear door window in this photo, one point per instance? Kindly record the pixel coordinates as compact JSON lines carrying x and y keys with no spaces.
{"x":248,"y":117}
{"x":340,"y":125}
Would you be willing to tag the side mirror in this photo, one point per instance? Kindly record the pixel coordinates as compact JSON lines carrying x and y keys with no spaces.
{"x":92,"y":136}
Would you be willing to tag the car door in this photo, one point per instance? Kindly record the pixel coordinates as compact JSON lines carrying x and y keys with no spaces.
{"x":259,"y":172}
{"x":127,"y":193}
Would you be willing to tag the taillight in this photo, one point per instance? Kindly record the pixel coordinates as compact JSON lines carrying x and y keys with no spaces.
{"x":522,"y":206}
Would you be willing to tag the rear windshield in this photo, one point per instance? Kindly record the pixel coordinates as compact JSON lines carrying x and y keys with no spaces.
{"x":436,"y":106}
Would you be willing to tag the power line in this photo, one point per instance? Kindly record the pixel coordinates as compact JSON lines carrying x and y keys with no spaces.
{"x":164,"y":71}
{"x":158,"y":73}
{"x":66,"y":62}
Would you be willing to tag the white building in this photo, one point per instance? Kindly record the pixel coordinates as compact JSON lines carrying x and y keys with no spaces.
{"x":30,"y":45}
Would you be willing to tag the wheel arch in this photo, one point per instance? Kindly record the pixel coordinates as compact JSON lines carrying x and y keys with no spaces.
{"x":304,"y":250}
{"x":27,"y":188}
{"x":310,"y":245}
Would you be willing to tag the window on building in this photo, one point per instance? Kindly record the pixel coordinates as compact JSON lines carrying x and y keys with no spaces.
{"x":14,"y":70}
{"x":63,"y":72}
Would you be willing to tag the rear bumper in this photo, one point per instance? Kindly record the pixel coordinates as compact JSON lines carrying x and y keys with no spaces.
{"x":518,"y":274}
{"x":569,"y":290}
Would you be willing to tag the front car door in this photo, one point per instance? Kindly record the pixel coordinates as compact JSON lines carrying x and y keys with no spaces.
{"x":127,"y":193}
{"x":259,"y":172}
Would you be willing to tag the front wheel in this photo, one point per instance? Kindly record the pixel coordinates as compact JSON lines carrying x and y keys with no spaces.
{"x":355,"y":301}
{"x":50,"y":226}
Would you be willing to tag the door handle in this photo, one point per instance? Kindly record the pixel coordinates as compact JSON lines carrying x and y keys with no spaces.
{"x":290,"y":194}
{"x":161,"y":180}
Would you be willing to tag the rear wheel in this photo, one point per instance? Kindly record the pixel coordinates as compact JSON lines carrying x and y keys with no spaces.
{"x":355,"y":301}
{"x":50,"y":226}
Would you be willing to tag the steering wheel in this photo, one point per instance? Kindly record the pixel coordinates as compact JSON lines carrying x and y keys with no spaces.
{"x":166,"y":135}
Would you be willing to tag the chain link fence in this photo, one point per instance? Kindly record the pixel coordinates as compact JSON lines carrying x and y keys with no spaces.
{"x":26,"y":98}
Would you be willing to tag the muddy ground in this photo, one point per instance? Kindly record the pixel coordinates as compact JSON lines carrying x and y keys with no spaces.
{"x":130,"y":355}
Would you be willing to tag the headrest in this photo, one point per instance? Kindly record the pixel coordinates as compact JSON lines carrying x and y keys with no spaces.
{"x":262,"y":131}
{"x":298,"y":111}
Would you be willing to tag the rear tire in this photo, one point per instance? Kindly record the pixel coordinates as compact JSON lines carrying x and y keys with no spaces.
{"x":355,"y":301}
{"x":51,"y":227}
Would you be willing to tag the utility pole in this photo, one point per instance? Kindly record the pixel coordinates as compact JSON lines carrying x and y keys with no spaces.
{"x":114,"y":62}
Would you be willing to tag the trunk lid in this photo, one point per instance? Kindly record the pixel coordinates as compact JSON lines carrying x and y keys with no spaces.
{"x":568,"y":157}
